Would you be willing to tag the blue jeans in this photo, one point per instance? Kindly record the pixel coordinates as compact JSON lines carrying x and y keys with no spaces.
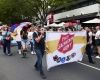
{"x":89,"y":52}
{"x":24,"y":43}
{"x":39,"y":53}
{"x":19,"y":45}
{"x":32,"y":46}
{"x":6,"y":45}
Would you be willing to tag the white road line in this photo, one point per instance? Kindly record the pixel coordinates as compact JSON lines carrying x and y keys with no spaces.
{"x":89,"y":66}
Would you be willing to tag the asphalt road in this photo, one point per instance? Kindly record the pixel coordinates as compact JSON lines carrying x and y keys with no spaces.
{"x":16,"y":68}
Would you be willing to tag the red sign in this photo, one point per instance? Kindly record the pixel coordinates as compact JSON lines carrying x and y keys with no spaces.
{"x":70,"y":24}
{"x":65,"y":43}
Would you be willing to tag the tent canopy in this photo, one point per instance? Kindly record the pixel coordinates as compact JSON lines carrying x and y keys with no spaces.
{"x":95,"y":20}
{"x":53,"y":25}
{"x":57,"y":25}
{"x":61,"y":24}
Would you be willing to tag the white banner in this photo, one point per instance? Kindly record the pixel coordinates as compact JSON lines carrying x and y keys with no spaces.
{"x":64,"y":47}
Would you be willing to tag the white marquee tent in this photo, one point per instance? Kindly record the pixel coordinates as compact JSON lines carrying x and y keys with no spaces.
{"x":53,"y":25}
{"x":95,"y":20}
{"x":61,"y":24}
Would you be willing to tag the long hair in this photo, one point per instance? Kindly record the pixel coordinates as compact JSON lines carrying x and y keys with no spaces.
{"x":25,"y":28}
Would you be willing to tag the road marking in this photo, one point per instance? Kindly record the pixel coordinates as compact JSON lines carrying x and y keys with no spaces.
{"x":89,"y":66}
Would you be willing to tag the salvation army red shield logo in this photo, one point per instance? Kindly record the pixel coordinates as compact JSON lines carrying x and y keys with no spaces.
{"x":65,"y":43}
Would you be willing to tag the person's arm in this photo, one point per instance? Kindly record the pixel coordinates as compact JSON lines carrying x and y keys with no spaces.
{"x":10,"y":36}
{"x":21,"y":33}
{"x":90,"y":37}
{"x":37,"y":38}
{"x":14,"y":33}
{"x":29,"y":36}
{"x":2,"y":33}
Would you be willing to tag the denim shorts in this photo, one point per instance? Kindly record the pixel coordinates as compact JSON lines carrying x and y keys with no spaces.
{"x":24,"y":42}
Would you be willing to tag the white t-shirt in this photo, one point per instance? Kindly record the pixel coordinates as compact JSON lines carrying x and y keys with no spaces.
{"x":30,"y":35}
{"x":90,"y":35}
{"x":97,"y":35}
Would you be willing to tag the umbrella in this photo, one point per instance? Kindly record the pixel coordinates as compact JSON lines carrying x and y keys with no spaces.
{"x":13,"y":27}
{"x":95,"y":20}
{"x":23,"y":24}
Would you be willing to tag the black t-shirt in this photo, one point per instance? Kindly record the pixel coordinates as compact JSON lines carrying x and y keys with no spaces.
{"x":24,"y":34}
{"x":88,"y":37}
{"x":41,"y":43}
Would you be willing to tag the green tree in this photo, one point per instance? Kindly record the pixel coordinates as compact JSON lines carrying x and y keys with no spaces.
{"x":40,"y":8}
{"x":15,"y":10}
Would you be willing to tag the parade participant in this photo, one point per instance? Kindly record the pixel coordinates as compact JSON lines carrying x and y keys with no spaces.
{"x":39,"y":38}
{"x":6,"y":40}
{"x":31,"y":40}
{"x":97,"y":38}
{"x":18,"y":38}
{"x":24,"y":41}
{"x":89,"y":46}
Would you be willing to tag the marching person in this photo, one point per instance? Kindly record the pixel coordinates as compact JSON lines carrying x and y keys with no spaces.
{"x":39,"y":46}
{"x":24,"y":41}
{"x":89,"y":46}
{"x":6,"y":41}
{"x":31,"y":39}
{"x":97,"y":38}
{"x":18,"y":39}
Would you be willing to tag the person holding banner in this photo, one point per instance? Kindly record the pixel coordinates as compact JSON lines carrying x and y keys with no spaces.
{"x":39,"y":47}
{"x":6,"y":41}
{"x":89,"y":46}
{"x":24,"y":41}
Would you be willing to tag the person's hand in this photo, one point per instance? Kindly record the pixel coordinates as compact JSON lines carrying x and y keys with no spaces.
{"x":42,"y":31}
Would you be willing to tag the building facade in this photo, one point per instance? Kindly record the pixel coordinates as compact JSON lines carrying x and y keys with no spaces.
{"x":82,"y":10}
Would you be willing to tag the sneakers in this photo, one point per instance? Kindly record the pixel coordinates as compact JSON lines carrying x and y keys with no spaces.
{"x":98,"y":57}
{"x":92,"y":62}
{"x":43,"y":76}
{"x":24,"y":55}
{"x":19,"y":51}
{"x":36,"y":68}
{"x":9,"y":54}
{"x":33,"y":52}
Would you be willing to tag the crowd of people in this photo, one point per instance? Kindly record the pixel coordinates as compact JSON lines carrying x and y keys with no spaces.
{"x":93,"y":42}
{"x":35,"y":37}
{"x":23,"y":36}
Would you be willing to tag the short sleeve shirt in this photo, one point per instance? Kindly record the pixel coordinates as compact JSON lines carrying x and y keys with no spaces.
{"x":41,"y":43}
{"x":97,"y":35}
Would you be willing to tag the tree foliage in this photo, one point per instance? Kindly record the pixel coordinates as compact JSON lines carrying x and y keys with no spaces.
{"x":40,"y":8}
{"x":15,"y":10}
